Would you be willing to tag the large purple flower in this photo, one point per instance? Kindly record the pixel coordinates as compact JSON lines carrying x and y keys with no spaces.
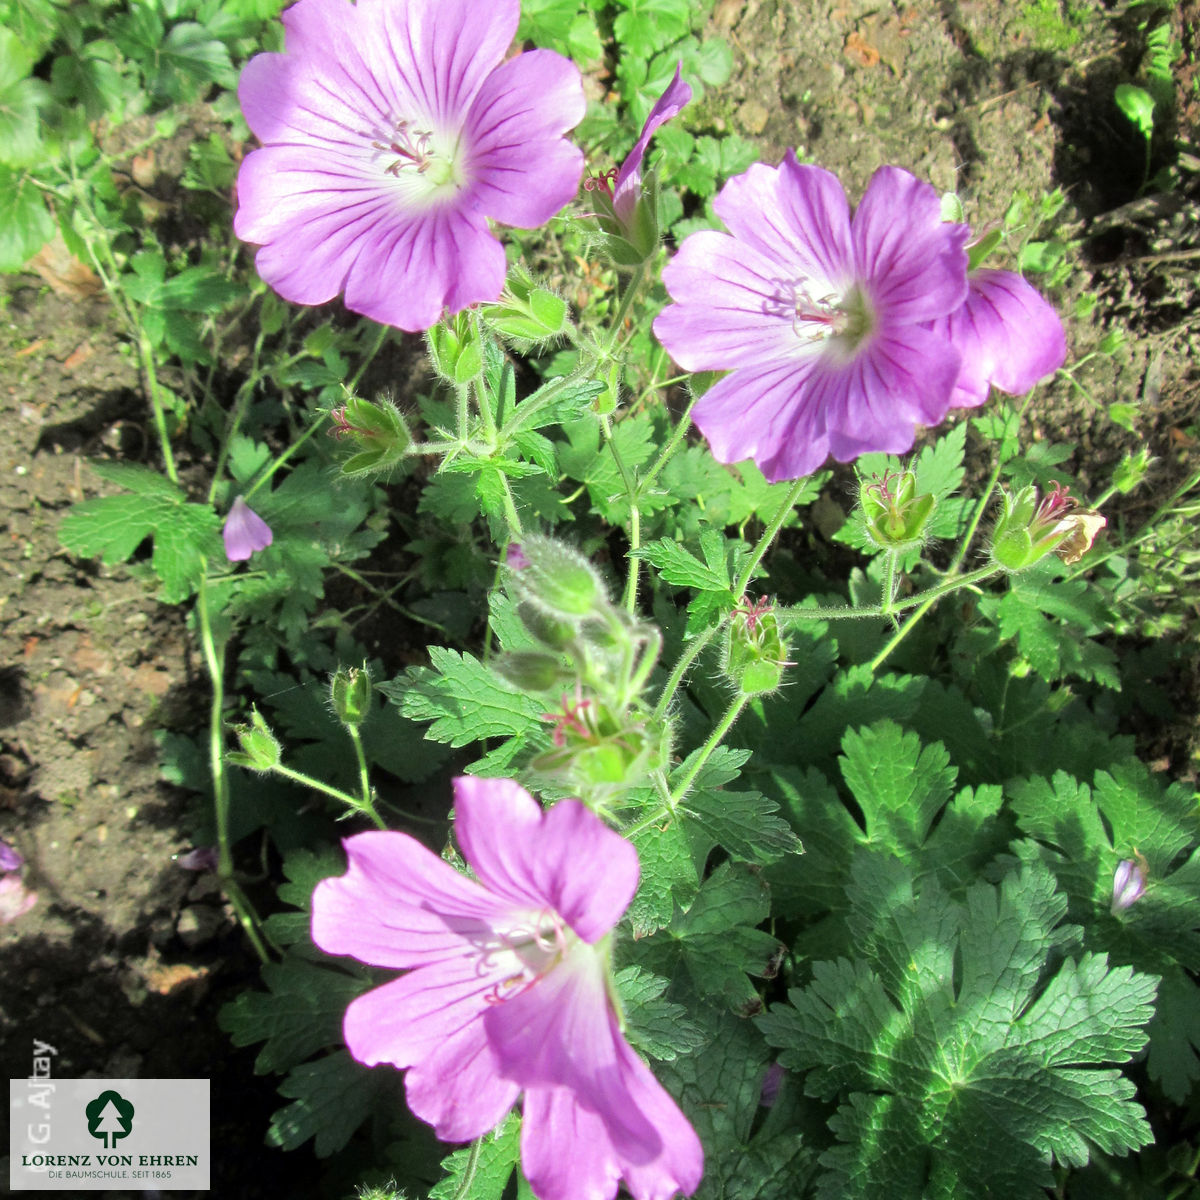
{"x":391,"y":133}
{"x":821,"y":317}
{"x":508,"y":991}
{"x":1009,"y":337}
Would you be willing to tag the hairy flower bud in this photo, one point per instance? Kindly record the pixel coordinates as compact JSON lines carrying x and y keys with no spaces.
{"x":895,"y":514}
{"x":260,"y":751}
{"x":529,"y":670}
{"x":455,"y":349}
{"x":528,"y":314}
{"x":755,"y":651}
{"x":350,"y":694}
{"x":559,"y":580}
{"x":377,"y":431}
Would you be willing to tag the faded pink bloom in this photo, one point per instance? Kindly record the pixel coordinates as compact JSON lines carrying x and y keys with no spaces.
{"x":15,"y":898}
{"x":508,"y":991}
{"x":393,"y":131}
{"x":244,"y":532}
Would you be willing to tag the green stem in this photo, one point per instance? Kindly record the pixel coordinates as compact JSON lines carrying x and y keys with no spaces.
{"x":214,"y":660}
{"x":380,"y":338}
{"x":351,"y":802}
{"x":768,"y":536}
{"x":715,"y":738}
{"x":364,"y":782}
{"x":635,"y":516}
{"x":279,"y":462}
{"x":686,"y":659}
{"x":670,"y":446}
{"x":146,"y":354}
{"x":889,"y":582}
{"x":235,"y":418}
{"x":463,"y":1191}
{"x":631,"y":289}
{"x":920,"y":599}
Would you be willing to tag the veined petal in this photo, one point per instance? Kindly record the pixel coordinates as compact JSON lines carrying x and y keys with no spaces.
{"x":797,"y":217}
{"x":764,"y":413}
{"x":876,"y":401}
{"x":733,"y":306}
{"x":523,"y":167}
{"x":589,"y":1098}
{"x":1009,"y":336}
{"x":566,"y":859}
{"x":399,"y":905}
{"x":565,"y":1151}
{"x":431,"y":1021}
{"x":406,"y":275}
{"x":629,"y":178}
{"x":913,"y":263}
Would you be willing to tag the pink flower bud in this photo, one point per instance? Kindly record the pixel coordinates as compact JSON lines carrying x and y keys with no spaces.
{"x":1129,"y":882}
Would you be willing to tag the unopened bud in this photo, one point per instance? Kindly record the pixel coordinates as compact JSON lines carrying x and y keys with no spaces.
{"x":1129,"y":883}
{"x":529,"y":670}
{"x":350,"y":694}
{"x":259,"y":749}
{"x":558,"y":579}
{"x":455,"y":349}
{"x":526,"y":313}
{"x":377,"y":431}
{"x":552,"y":633}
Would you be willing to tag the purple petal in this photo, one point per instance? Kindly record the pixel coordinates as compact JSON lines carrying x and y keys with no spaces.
{"x":245,"y":532}
{"x":525,"y":169}
{"x":10,"y":860}
{"x":15,"y":899}
{"x":1010,"y":337}
{"x":565,"y":1151}
{"x":399,"y":905}
{"x":915,"y":263}
{"x":203,"y":858}
{"x":797,"y":217}
{"x":566,"y":859}
{"x":731,"y":307}
{"x":431,"y":1021}
{"x":589,"y":1099}
{"x":629,"y":178}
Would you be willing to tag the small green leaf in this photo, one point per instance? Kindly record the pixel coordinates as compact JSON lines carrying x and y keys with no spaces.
{"x":1138,"y":105}
{"x":25,"y":225}
{"x":491,"y":1165}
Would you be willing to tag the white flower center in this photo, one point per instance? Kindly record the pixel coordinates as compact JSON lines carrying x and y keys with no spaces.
{"x":845,"y":321}
{"x":424,"y":162}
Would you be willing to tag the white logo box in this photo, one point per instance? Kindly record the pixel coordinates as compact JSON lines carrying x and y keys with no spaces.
{"x":76,"y":1135}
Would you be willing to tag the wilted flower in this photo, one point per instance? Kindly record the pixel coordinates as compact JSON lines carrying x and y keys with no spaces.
{"x":1129,"y":882}
{"x":1010,"y":338}
{"x":822,"y":317}
{"x":392,"y":132}
{"x":203,"y":858}
{"x":244,"y":532}
{"x":10,"y":859}
{"x":508,"y":991}
{"x":1028,"y":528}
{"x":15,"y":898}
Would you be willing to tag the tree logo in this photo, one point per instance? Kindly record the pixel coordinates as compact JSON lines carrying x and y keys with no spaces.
{"x":109,"y":1117}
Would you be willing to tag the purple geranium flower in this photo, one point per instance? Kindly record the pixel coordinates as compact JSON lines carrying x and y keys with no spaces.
{"x":392,"y":131}
{"x":244,"y":532}
{"x":628,"y":185}
{"x":822,"y":317}
{"x":508,"y":991}
{"x":1008,"y":335}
